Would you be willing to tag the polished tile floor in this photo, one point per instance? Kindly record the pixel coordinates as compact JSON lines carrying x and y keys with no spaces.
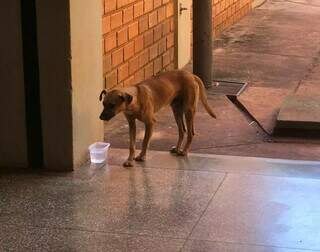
{"x":199,"y":203}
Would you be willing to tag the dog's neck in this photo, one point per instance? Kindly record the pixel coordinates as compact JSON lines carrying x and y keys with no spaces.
{"x":133,"y":107}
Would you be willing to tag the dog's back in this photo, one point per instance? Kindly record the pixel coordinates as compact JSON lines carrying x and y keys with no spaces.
{"x":165,"y":87}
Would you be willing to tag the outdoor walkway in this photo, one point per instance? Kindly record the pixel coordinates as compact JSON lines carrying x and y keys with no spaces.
{"x":276,"y":49}
{"x":200,"y":203}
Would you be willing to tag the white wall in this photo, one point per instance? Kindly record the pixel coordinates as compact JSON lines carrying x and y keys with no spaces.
{"x":87,"y":75}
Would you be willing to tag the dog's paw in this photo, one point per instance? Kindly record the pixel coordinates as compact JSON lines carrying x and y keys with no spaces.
{"x":174,"y":150}
{"x":182,"y":153}
{"x":140,"y":158}
{"x":128,"y":163}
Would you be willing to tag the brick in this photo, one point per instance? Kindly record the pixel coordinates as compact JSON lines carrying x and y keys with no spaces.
{"x":111,"y":80}
{"x":122,"y":36}
{"x":128,"y":14}
{"x":117,"y":57}
{"x":223,"y":4}
{"x":170,"y":67}
{"x":166,"y":58}
{"x":153,"y":52}
{"x":123,"y":72}
{"x":139,"y":76}
{"x":106,"y":24}
{"x":110,"y":42}
{"x":107,"y":63}
{"x":172,"y":24}
{"x":161,"y":14}
{"x":138,"y":9}
{"x":133,"y":65}
{"x":157,"y":34}
{"x":214,"y":11}
{"x":129,"y":81}
{"x":166,"y":27}
{"x":116,"y":20}
{"x":148,"y":38}
{"x":162,"y":45}
{"x":157,"y":65}
{"x":153,"y":19}
{"x":171,"y":52}
{"x":148,"y":6}
{"x":170,"y":40}
{"x":133,"y":30}
{"x":138,"y":44}
{"x":169,"y":10}
{"x":165,"y":1}
{"x":122,"y":3}
{"x":148,"y":71}
{"x":156,"y":3}
{"x":143,"y":58}
{"x":120,"y":84}
{"x":143,"y":24}
{"x":128,"y":50}
{"x":110,"y":5}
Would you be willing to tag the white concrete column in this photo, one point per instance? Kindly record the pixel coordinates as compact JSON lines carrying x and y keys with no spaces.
{"x":70,"y":58}
{"x":87,"y":75}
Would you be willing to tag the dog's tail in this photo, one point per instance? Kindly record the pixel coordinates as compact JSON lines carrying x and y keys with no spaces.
{"x":203,"y":96}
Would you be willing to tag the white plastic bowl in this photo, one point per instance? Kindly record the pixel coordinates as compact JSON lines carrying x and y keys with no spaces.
{"x":99,"y":152}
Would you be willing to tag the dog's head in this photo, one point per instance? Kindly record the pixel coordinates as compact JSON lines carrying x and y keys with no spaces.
{"x":114,"y":102}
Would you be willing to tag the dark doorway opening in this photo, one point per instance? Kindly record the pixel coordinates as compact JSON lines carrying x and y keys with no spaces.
{"x":32,"y":83}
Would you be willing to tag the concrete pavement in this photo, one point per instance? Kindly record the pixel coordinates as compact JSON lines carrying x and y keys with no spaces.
{"x":275,"y":49}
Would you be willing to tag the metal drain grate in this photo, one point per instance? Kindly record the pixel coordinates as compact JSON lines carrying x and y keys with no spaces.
{"x":229,"y":88}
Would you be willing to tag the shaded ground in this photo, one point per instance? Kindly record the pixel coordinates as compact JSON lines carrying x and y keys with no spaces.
{"x":276,"y":50}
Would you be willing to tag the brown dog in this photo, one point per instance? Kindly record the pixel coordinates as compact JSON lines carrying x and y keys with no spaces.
{"x":180,"y":89}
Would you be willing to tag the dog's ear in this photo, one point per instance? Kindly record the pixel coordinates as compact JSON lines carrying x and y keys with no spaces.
{"x":103,"y":93}
{"x":127,"y":98}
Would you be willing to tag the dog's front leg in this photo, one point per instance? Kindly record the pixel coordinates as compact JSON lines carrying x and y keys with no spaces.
{"x":132,"y":148}
{"x":146,"y":141}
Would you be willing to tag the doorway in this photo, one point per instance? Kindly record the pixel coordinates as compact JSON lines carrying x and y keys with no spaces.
{"x":183,"y":24}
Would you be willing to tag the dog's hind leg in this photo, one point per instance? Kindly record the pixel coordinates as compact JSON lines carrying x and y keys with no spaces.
{"x":178,"y":115}
{"x":189,"y":114}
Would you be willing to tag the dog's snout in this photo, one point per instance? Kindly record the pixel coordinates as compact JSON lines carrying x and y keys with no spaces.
{"x":106,"y":116}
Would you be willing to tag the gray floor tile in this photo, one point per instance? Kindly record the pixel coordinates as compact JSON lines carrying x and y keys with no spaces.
{"x":40,"y":239}
{"x":159,"y":159}
{"x":137,"y":201}
{"x":263,"y":166}
{"x":207,"y":246}
{"x":225,"y":164}
{"x":268,"y":211}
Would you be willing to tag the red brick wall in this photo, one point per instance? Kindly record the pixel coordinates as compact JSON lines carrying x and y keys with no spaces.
{"x":138,"y":40}
{"x":227,"y":12}
{"x":138,"y":36}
